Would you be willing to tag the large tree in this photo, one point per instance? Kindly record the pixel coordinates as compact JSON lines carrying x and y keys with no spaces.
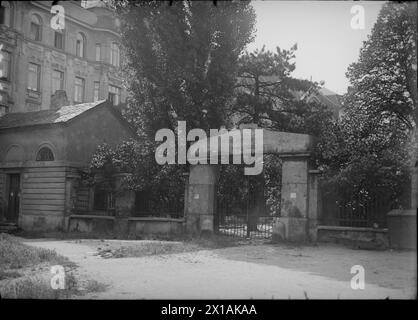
{"x":269,"y":96}
{"x":180,"y":64}
{"x":384,"y":79}
{"x":370,"y":149}
{"x":182,"y":59}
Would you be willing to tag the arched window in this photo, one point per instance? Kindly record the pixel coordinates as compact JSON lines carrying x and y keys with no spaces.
{"x":35,"y":28}
{"x":5,"y":13}
{"x":114,"y":54}
{"x":80,"y":46}
{"x":45,"y":154}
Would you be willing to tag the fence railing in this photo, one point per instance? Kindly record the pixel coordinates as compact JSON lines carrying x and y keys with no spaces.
{"x":359,"y":212}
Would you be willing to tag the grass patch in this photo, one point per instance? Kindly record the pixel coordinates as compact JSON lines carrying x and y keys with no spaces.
{"x":60,"y":235}
{"x":24,"y":272}
{"x":163,"y":247}
{"x":95,"y":286}
{"x":210,"y":241}
{"x":33,"y":279}
{"x":37,"y":287}
{"x":206,"y":241}
{"x":214,"y":241}
{"x":14,"y":254}
{"x":144,"y":249}
{"x":9,"y":274}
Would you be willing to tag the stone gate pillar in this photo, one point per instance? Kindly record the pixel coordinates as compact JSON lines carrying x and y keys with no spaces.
{"x":314,"y":204}
{"x":295,"y":193}
{"x":200,"y":201}
{"x":124,"y":203}
{"x":72,"y":182}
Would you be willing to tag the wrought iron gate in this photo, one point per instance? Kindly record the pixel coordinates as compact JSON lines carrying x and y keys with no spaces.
{"x":242,"y":225}
{"x":233,"y":217}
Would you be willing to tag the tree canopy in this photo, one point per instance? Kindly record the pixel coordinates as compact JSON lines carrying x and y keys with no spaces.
{"x":370,"y":148}
{"x":384,"y":79}
{"x":182,"y":60}
{"x":269,"y":96}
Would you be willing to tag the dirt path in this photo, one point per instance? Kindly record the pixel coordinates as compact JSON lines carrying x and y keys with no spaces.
{"x":244,"y":272}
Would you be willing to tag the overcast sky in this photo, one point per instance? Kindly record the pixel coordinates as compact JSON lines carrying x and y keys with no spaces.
{"x":326,"y":42}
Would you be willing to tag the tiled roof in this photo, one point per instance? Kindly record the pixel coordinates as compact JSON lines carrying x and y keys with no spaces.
{"x":61,"y":115}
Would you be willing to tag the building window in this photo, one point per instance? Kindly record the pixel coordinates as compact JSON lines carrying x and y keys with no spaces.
{"x":5,"y":13}
{"x":45,"y":154}
{"x":78,"y":90}
{"x":36,"y":28}
{"x":96,"y":90}
{"x":98,"y":52}
{"x":114,"y":54}
{"x":80,"y":45}
{"x":59,"y":40}
{"x":114,"y":95}
{"x":57,"y":80}
{"x":5,"y":64}
{"x":34,"y":75}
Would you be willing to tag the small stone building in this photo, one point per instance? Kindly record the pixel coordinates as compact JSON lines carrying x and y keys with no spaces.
{"x":42,"y":157}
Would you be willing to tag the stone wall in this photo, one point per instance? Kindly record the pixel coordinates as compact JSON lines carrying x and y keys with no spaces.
{"x":359,"y":238}
{"x":135,"y":227}
{"x":155,"y":226}
{"x":402,"y":225}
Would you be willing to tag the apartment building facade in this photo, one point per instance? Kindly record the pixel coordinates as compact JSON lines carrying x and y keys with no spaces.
{"x":38,"y":58}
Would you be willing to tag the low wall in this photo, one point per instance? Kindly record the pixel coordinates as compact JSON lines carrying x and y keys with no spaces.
{"x":363,"y":238}
{"x":151,"y":225}
{"x":126,"y":226}
{"x":402,"y":225}
{"x":41,"y":222}
{"x":91,"y":223}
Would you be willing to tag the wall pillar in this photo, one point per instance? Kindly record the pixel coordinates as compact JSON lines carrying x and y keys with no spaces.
{"x":314,"y":204}
{"x":71,"y":184}
{"x":200,"y":200}
{"x":294,"y":202}
{"x":124,"y":203}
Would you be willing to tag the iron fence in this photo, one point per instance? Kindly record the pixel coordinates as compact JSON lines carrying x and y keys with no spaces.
{"x":146,"y":206}
{"x":361,"y":211}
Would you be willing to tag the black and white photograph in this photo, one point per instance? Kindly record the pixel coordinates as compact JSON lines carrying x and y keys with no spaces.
{"x":192,"y":150}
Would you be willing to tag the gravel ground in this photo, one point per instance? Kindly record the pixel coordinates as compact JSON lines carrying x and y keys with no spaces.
{"x":240,"y":272}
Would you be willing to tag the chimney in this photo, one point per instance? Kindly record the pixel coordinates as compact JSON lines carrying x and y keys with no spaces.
{"x":59,"y":99}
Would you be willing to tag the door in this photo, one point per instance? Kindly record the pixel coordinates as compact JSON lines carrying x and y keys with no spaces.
{"x":14,"y":195}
